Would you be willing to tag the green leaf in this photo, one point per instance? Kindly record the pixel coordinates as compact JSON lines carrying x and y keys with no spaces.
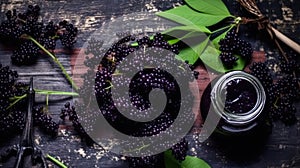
{"x":214,"y":7}
{"x":185,"y":33}
{"x":189,"y":162}
{"x":192,"y":53}
{"x":210,"y":57}
{"x":187,"y":16}
{"x":187,"y":28}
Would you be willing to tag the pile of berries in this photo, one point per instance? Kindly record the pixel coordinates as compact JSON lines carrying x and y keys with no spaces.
{"x":281,"y":94}
{"x":230,"y":46}
{"x":12,"y":113}
{"x":114,"y":72}
{"x":18,"y":26}
{"x":11,"y":119}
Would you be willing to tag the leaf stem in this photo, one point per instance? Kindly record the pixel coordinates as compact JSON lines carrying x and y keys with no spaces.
{"x":54,"y":59}
{"x":54,"y":160}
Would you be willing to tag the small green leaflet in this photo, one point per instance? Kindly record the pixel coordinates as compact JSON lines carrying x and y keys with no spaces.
{"x":189,"y":162}
{"x":213,"y":7}
{"x":187,"y":34}
{"x":192,"y":53}
{"x":187,"y":28}
{"x":187,"y":16}
{"x":210,"y":57}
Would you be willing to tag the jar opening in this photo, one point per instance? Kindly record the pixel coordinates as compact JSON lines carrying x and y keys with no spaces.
{"x":238,"y":97}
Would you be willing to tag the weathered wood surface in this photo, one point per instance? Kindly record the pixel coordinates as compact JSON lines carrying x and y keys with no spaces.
{"x":282,"y":148}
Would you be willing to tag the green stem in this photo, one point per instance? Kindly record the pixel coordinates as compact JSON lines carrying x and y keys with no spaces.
{"x":51,"y":92}
{"x":43,"y":92}
{"x":54,"y":59}
{"x":18,"y":98}
{"x":54,"y":160}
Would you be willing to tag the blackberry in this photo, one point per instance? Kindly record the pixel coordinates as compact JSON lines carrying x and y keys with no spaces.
{"x":227,"y":44}
{"x":228,"y":59}
{"x":281,"y":96}
{"x":50,"y":31}
{"x":145,"y":161}
{"x":26,"y":54}
{"x":262,"y":72}
{"x":244,"y":49}
{"x":48,"y":43}
{"x":231,"y":45}
{"x":179,"y":150}
{"x":69,"y":111}
{"x":7,"y":81}
{"x":28,"y":23}
{"x":289,"y":67}
{"x":68,"y":37}
{"x":18,"y":120}
{"x":44,"y":121}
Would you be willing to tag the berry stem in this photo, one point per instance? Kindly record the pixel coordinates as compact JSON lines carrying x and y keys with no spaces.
{"x":54,"y":59}
{"x":54,"y":160}
{"x":43,"y":92}
{"x":52,"y":92}
{"x":17,"y":99}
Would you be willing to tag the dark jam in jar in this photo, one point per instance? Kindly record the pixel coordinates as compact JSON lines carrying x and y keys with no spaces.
{"x":239,"y":100}
{"x":240,"y":96}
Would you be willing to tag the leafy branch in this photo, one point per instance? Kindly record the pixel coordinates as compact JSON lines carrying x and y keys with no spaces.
{"x":196,"y":19}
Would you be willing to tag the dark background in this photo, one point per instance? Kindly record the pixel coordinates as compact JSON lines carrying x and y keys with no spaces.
{"x":281,"y":148}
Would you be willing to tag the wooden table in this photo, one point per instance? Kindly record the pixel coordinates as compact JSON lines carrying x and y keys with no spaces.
{"x":282,"y":148}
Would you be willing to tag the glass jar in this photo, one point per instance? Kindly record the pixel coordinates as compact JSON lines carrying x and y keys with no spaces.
{"x":239,"y":100}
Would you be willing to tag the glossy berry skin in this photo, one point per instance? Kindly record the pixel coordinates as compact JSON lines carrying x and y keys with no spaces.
{"x":180,"y":149}
{"x":44,"y":121}
{"x":69,"y":111}
{"x":19,"y":26}
{"x":230,"y":46}
{"x":262,"y":72}
{"x":281,"y":94}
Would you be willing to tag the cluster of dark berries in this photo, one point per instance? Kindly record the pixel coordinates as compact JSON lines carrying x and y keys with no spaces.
{"x":281,"y":95}
{"x":70,"y":112}
{"x":126,"y":57}
{"x":261,"y":71}
{"x":13,"y":107}
{"x":18,"y":27}
{"x":44,"y":121}
{"x":230,"y":46}
{"x":146,"y":161}
{"x":11,"y":119}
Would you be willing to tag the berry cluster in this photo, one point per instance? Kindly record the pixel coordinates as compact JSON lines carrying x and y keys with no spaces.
{"x":18,"y":26}
{"x":230,"y":46}
{"x":118,"y":62}
{"x":179,"y":150}
{"x":11,"y":119}
{"x":261,"y":71}
{"x":281,"y":95}
{"x":44,"y":121}
{"x":69,"y":111}
{"x":145,"y":161}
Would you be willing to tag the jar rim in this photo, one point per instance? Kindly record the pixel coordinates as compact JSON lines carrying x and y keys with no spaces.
{"x":218,"y":100}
